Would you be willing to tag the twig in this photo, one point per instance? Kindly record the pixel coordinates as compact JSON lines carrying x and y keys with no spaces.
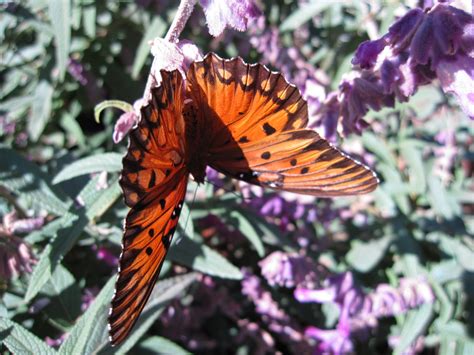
{"x":182,"y":15}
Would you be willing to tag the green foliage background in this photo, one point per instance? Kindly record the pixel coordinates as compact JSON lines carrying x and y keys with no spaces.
{"x":419,"y":222}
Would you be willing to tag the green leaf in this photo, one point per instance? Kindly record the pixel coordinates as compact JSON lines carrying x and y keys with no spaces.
{"x":379,"y":147}
{"x":30,"y":183}
{"x":441,"y":202}
{"x":89,"y":19}
{"x":243,"y":225}
{"x":416,"y":322}
{"x":446,"y":271}
{"x":71,"y":126}
{"x":104,"y":201}
{"x":40,"y":110}
{"x":305,"y":13}
{"x":186,"y":221}
{"x":160,"y":345}
{"x":163,"y":292}
{"x":96,"y":203}
{"x":364,"y":256}
{"x":110,"y":162}
{"x":20,"y":341}
{"x":65,"y":296}
{"x":91,"y":328}
{"x":72,"y":226}
{"x":395,"y":186}
{"x":411,"y":153}
{"x":60,"y":17}
{"x":157,"y":28}
{"x":202,"y":258}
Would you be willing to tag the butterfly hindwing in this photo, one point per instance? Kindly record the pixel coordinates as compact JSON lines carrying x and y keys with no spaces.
{"x":154,"y":180}
{"x":259,"y":134}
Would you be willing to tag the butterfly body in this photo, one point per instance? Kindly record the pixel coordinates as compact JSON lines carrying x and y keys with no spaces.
{"x":242,"y":120}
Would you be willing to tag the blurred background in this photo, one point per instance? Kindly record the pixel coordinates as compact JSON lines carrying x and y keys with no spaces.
{"x":251,"y":271}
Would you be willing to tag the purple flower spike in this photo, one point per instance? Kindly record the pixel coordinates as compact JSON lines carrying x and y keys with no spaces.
{"x":401,"y":32}
{"x":335,"y":342}
{"x":367,"y":53}
{"x":422,"y":42}
{"x":337,"y":285}
{"x":457,"y":77}
{"x":420,"y":47}
{"x":358,"y":311}
{"x":232,"y":13}
{"x":287,"y":270}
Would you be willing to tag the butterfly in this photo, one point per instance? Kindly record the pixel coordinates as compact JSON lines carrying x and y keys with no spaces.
{"x":242,"y":120}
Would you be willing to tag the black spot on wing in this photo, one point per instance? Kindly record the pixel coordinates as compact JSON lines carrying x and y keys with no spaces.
{"x":268,"y":129}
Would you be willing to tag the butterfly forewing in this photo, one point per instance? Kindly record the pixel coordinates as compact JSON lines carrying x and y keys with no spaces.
{"x":153,"y":180}
{"x":259,"y":135}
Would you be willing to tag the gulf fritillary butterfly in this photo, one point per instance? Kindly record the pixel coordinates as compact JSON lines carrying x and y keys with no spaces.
{"x":240,"y":119}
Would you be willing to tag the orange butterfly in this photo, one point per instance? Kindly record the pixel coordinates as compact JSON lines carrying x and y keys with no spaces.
{"x":240,"y":119}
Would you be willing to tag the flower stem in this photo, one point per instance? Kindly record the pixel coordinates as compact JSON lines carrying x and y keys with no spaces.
{"x":185,"y":9}
{"x":182,"y":15}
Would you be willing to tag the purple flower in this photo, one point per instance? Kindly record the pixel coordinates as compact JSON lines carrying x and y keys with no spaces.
{"x":13,"y":225}
{"x":76,"y":70}
{"x":186,"y":323}
{"x":457,"y":77}
{"x":124,"y":124}
{"x":367,"y":53}
{"x":106,"y":256}
{"x":56,"y":343}
{"x":335,"y":342}
{"x":7,"y":127}
{"x":233,"y":13}
{"x":86,"y":79}
{"x":88,"y":297}
{"x":445,"y":154}
{"x":360,"y":311}
{"x":274,"y":317}
{"x":418,"y":48}
{"x":288,"y":270}
{"x":15,"y":255}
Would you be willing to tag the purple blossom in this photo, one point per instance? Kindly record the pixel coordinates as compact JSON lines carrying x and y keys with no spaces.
{"x":445,"y":154}
{"x":233,"y":13}
{"x":57,"y":342}
{"x":13,"y":225}
{"x":16,"y":256}
{"x":334,"y":342}
{"x":76,"y":70}
{"x":7,"y":127}
{"x":289,"y":270}
{"x":186,"y":323}
{"x":124,"y":124}
{"x":457,"y":77}
{"x":360,"y":311}
{"x":86,"y":79}
{"x":274,"y":317}
{"x":418,"y":48}
{"x":88,"y":297}
{"x":106,"y":256}
{"x":263,"y":342}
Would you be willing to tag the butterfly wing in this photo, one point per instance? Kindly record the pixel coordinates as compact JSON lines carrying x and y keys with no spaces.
{"x":154,"y":181}
{"x":257,"y":122}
